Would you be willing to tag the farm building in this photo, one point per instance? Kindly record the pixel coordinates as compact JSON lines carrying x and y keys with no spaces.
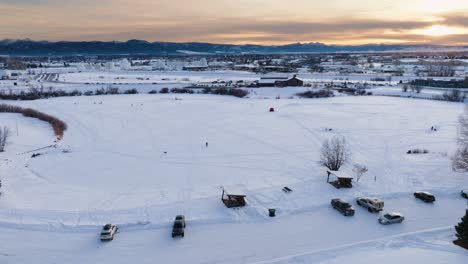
{"x":339,"y":179}
{"x":233,"y":200}
{"x":280,"y":82}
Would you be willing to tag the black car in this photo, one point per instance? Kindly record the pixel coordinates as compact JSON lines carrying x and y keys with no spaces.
{"x":180,"y":218}
{"x":343,"y":207}
{"x":425,"y":196}
{"x":178,"y":228}
{"x":464,"y":194}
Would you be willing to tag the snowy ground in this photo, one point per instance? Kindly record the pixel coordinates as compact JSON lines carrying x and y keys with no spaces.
{"x":148,"y":77}
{"x":112,"y":167}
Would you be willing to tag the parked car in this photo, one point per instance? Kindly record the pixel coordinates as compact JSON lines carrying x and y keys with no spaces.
{"x":108,"y":232}
{"x":425,"y":196}
{"x":391,"y":218}
{"x":464,"y":194}
{"x":178,"y":229}
{"x":181,"y":218}
{"x":343,"y":207}
{"x":372,"y":204}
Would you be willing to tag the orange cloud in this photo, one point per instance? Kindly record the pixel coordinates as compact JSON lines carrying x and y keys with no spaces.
{"x":240,"y":21}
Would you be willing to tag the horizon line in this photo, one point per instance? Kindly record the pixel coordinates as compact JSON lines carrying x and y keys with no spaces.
{"x":246,"y":44}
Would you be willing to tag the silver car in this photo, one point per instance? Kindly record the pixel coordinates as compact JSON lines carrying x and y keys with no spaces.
{"x":391,"y":218}
{"x":108,"y":232}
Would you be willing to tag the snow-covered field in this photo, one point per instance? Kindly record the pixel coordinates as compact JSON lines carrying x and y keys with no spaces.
{"x":149,"y":77}
{"x":139,"y":160}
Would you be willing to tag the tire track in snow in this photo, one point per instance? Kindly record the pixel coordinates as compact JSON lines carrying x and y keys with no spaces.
{"x":351,"y":245}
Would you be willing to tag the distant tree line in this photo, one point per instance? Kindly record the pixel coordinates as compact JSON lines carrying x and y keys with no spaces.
{"x":441,"y":84}
{"x":36,"y":93}
{"x":207,"y":90}
{"x":316,"y":94}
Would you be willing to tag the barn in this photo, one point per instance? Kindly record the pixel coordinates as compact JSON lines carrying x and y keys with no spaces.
{"x":292,"y":82}
{"x":280,"y":82}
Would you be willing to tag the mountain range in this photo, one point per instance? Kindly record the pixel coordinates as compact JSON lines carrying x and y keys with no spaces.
{"x":135,"y":47}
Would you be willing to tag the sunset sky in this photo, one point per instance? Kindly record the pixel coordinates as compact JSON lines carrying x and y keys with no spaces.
{"x":239,"y":21}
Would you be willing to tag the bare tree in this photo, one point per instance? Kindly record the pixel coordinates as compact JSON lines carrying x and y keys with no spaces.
{"x":463,"y":128}
{"x":404,"y":88}
{"x":418,"y":89}
{"x":4,"y":135}
{"x":360,"y":170}
{"x":334,"y":153}
{"x":460,"y":159}
{"x":453,"y":95}
{"x":441,"y":69}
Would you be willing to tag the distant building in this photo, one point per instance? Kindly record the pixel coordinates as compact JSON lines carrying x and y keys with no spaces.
{"x":293,"y":82}
{"x":200,"y":65}
{"x":109,"y":66}
{"x":270,"y":81}
{"x":195,"y":68}
{"x":280,"y":82}
{"x":5,"y":75}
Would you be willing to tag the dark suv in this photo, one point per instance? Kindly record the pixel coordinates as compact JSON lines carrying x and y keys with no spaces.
{"x":178,"y":229}
{"x":425,"y":196}
{"x":343,"y":207}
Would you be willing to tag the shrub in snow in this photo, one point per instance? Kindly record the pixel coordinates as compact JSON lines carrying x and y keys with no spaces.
{"x":206,"y":90}
{"x":334,"y":153}
{"x":221,"y":91}
{"x":164,"y":90}
{"x":453,"y":96}
{"x":417,"y":151}
{"x":100,"y":91}
{"x":112,"y":90}
{"x":58,"y":125}
{"x":131,"y":91}
{"x":316,"y":94}
{"x":75,"y":93}
{"x":4,"y":135}
{"x":360,"y":92}
{"x":238,"y":93}
{"x":153,"y":92}
{"x":182,"y":91}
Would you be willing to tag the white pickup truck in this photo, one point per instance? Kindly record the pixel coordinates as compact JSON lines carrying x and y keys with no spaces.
{"x":372,"y":204}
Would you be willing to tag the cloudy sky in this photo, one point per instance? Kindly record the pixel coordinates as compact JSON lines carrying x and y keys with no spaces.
{"x":239,"y":21}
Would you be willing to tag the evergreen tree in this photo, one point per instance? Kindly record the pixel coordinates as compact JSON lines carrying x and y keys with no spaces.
{"x":462,"y":228}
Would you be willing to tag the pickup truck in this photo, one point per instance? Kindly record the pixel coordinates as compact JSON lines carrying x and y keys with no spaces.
{"x":372,"y":204}
{"x":343,"y":207}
